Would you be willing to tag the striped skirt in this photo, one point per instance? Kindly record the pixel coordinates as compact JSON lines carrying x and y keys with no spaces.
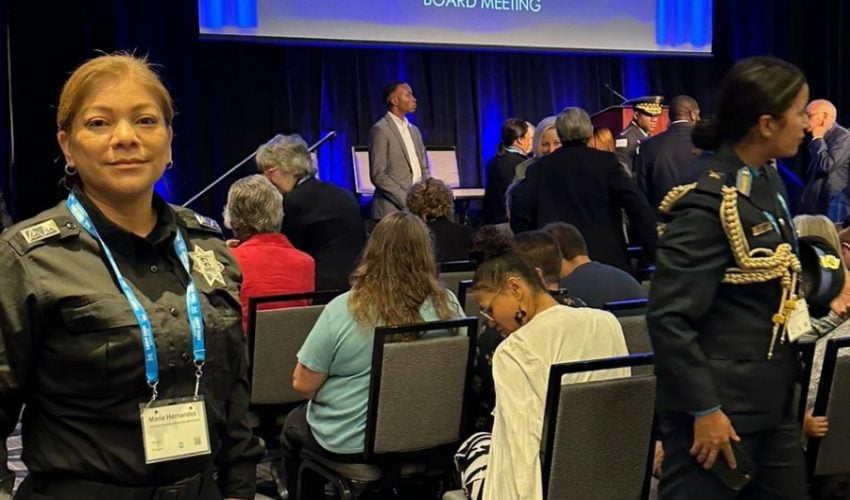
{"x":471,"y":461}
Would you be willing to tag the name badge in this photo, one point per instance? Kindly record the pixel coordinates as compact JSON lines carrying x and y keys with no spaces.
{"x":799,"y":323}
{"x":174,"y":428}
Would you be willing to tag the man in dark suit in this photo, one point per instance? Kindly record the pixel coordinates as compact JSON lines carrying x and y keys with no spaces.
{"x":319,"y":218}
{"x":644,"y":121}
{"x":827,"y":175}
{"x":586,"y":188}
{"x":396,"y":152}
{"x":667,"y":160}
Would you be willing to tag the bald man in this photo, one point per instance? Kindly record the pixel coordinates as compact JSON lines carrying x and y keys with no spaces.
{"x":827,"y":175}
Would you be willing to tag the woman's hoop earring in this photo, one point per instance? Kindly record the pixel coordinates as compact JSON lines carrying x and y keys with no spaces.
{"x":169,"y":165}
{"x":70,"y":170}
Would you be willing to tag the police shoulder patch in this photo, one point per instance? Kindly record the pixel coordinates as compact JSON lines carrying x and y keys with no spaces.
{"x":207,"y":222}
{"x":40,"y":231}
{"x":33,"y":234}
{"x":192,"y":220}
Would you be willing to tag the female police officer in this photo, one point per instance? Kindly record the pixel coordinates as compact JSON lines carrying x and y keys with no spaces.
{"x":119,"y":316}
{"x":725,"y":301}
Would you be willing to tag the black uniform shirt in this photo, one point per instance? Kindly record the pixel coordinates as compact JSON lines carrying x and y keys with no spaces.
{"x":70,"y":349}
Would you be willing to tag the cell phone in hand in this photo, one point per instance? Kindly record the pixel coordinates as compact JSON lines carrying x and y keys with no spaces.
{"x":738,"y":477}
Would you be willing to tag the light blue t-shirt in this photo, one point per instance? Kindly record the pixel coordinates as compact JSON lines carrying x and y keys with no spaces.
{"x":341,"y":347}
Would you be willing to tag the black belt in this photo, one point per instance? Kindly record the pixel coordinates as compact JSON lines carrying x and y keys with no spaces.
{"x":189,"y":488}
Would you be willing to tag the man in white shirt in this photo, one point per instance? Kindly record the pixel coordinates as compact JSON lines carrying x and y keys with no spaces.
{"x":396,"y":152}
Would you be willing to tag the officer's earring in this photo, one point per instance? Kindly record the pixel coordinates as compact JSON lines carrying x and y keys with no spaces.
{"x":70,"y":170}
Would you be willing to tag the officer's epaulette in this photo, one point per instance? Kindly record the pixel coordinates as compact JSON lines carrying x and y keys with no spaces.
{"x":193,"y":220}
{"x":30,"y":236}
{"x":713,"y":181}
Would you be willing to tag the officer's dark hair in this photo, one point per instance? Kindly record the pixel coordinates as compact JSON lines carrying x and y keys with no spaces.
{"x":681,"y":107}
{"x":569,"y":238}
{"x":542,"y":250}
{"x":512,"y":129}
{"x":754,"y":87}
{"x":389,"y":90}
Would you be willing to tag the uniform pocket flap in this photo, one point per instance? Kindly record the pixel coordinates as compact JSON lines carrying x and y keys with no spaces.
{"x":96,"y":313}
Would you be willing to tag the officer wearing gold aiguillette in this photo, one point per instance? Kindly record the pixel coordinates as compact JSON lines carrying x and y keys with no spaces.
{"x":644,"y":122}
{"x":727,"y":302}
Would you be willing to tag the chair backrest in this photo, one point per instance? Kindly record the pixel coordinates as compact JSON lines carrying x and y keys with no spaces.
{"x":628,"y":307}
{"x":453,"y":266}
{"x":597,"y":436}
{"x":637,"y":339}
{"x":274,"y":338}
{"x":451,"y":279}
{"x":360,"y":161}
{"x":417,"y":388}
{"x":828,"y":455}
{"x":467,"y":299}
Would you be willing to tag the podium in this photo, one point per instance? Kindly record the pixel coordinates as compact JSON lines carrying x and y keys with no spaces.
{"x":617,"y":118}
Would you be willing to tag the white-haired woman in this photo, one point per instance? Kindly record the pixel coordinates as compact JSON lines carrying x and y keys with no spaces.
{"x":270,"y":264}
{"x":321,"y":219}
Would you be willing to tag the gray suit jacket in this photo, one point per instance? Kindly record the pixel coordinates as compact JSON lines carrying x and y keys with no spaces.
{"x":389,"y":166}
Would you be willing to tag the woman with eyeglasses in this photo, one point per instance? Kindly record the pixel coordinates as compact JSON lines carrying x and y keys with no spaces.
{"x":539,"y":332}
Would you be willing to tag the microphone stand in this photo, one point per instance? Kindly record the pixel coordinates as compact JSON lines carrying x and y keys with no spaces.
{"x":330,"y":135}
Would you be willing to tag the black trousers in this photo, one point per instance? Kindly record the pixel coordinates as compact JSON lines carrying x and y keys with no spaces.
{"x":296,"y":434}
{"x":39,"y":487}
{"x":776,"y":453}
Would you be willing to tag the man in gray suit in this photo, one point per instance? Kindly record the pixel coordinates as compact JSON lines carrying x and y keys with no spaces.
{"x":396,"y":152}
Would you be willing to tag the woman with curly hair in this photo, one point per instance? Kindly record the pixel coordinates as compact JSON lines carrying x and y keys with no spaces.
{"x":394,"y":283}
{"x":432,"y":200}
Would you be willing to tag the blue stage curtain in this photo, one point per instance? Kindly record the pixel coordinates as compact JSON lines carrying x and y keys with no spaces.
{"x":233,"y":95}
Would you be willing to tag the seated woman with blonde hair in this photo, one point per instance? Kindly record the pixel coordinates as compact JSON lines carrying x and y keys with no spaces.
{"x":394,"y":283}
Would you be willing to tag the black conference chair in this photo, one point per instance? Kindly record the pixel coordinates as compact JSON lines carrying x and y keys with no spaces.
{"x":415,"y":416}
{"x":274,"y":337}
{"x":628,"y":307}
{"x":597,"y":440}
{"x":828,"y":456}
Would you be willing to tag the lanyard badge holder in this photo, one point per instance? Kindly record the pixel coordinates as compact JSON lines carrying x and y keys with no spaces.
{"x":171,"y":428}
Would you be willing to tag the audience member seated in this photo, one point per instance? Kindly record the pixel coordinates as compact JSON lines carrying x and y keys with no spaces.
{"x":602,"y":139}
{"x":394,"y":283}
{"x":270,"y":264}
{"x":514,"y":148}
{"x":540,"y":332}
{"x":596,"y":283}
{"x":322,"y":219}
{"x":543,"y":253}
{"x":432,"y":200}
